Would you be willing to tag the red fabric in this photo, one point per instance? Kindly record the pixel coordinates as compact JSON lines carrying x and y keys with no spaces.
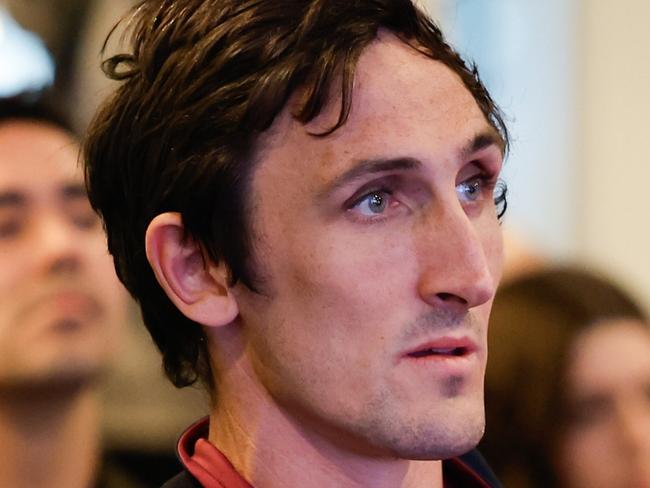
{"x":205,"y":462}
{"x":213,"y":470}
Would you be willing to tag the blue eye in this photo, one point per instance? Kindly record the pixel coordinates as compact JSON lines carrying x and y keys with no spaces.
{"x":374,"y":203}
{"x":470,"y":190}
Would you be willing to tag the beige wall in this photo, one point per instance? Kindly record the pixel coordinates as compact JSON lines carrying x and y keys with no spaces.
{"x":612,"y":196}
{"x":581,"y":157}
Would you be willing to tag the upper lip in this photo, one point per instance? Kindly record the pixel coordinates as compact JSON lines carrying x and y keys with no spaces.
{"x":452,"y":346}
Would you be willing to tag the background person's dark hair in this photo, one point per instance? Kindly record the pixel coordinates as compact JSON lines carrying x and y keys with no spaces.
{"x":31,"y":107}
{"x":203,"y":80}
{"x":534,"y":322}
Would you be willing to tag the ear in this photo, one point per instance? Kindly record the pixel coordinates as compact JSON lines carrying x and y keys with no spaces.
{"x":198,"y":287}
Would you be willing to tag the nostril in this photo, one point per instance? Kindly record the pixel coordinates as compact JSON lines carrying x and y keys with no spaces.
{"x":64,"y":264}
{"x":450,"y":297}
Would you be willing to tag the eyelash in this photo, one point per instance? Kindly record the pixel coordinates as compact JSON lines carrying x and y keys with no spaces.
{"x":384,"y":191}
{"x":487,"y":183}
{"x":500,"y":193}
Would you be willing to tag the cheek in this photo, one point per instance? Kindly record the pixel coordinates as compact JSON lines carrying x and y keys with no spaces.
{"x":586,"y":460}
{"x":337,"y":298}
{"x":103,"y":281}
{"x":15,"y":273}
{"x":18,"y":280}
{"x":360,"y":272}
{"x":100,"y":267}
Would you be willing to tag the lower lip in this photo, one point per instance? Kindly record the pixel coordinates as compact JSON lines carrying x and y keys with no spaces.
{"x":71,"y":302}
{"x":446,"y":364}
{"x":68,"y":308}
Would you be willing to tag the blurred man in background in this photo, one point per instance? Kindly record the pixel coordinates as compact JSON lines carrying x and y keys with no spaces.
{"x":141,"y":414}
{"x":61,"y":306}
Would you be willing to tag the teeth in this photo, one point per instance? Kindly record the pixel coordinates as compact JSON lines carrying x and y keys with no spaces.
{"x":449,"y":350}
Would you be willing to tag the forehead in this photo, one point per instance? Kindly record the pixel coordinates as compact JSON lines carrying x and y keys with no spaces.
{"x":35,"y":156}
{"x":629,"y":338}
{"x":395,"y":80}
{"x":402,"y":101}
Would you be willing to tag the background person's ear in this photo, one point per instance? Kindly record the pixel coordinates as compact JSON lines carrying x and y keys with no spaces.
{"x":198,"y":287}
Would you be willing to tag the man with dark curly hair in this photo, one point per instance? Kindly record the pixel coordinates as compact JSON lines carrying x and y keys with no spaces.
{"x":302,"y":196}
{"x":61,"y":306}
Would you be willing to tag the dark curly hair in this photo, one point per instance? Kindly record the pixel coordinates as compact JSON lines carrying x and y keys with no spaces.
{"x":203,"y":80}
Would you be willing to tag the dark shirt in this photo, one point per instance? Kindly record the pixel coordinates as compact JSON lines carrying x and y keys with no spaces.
{"x":205,"y":466}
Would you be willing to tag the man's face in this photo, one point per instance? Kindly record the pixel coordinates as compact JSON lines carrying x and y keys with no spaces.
{"x":606,"y":440}
{"x":60,"y":302}
{"x":379,"y":250}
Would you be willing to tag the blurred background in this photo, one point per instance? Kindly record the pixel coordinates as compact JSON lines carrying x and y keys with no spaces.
{"x":571,"y":77}
{"x":55,"y":45}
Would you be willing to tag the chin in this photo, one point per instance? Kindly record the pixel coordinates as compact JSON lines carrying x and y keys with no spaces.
{"x":438,"y":433}
{"x":78,"y":370}
{"x":439,"y":444}
{"x":85,"y":360}
{"x":61,"y":375}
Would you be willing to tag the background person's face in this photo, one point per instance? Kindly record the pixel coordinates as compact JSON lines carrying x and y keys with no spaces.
{"x":60,"y":302}
{"x":607,"y":442}
{"x":378,"y":241}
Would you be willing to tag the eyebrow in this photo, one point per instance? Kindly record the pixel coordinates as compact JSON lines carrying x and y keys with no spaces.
{"x":12,"y":199}
{"x":487,"y":138}
{"x":73,"y":191}
{"x":369,"y":166}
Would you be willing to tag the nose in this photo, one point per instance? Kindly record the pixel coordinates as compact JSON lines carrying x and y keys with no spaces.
{"x":59,"y":245}
{"x":460,"y":259}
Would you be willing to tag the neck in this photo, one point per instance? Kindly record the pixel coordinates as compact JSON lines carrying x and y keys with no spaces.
{"x":270,"y":448}
{"x":49,"y":438}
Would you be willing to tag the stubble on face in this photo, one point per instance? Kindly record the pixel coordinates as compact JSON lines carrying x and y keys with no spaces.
{"x":419,"y":436}
{"x":342,"y":300}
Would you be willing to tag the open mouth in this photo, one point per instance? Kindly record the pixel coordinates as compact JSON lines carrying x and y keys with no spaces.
{"x":440,"y":351}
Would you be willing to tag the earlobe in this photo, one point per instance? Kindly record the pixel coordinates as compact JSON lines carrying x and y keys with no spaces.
{"x":198,"y":287}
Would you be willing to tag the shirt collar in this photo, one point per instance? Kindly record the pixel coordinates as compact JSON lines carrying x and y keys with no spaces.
{"x":213,"y":470}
